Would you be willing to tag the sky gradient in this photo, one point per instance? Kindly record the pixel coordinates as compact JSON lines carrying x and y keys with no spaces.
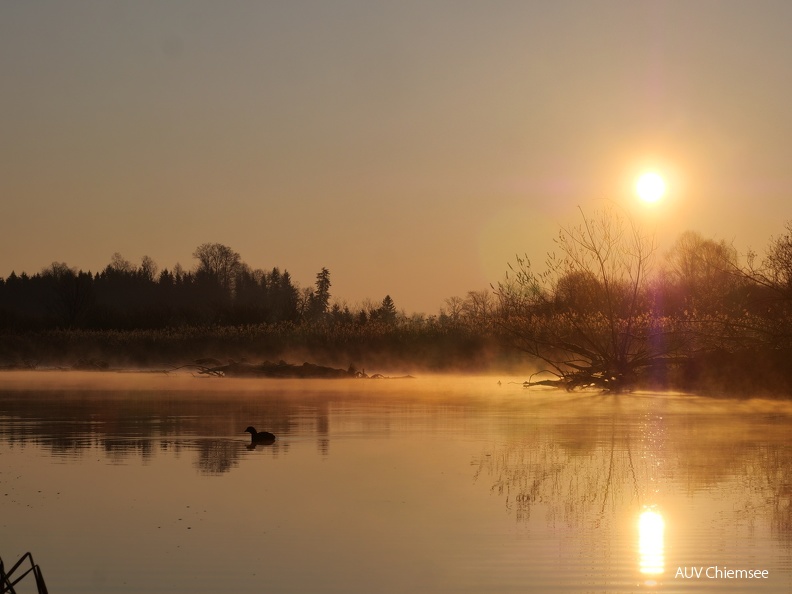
{"x":413,"y":148}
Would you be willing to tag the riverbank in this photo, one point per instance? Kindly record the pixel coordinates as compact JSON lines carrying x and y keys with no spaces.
{"x":377,"y":349}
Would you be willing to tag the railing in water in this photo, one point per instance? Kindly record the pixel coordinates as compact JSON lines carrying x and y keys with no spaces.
{"x":8,"y":580}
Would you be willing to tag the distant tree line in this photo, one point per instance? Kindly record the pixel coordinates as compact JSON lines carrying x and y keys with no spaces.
{"x":221,"y":290}
{"x":607,"y":310}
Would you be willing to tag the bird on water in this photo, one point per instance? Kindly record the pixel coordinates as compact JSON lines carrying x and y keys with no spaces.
{"x":260,"y":436}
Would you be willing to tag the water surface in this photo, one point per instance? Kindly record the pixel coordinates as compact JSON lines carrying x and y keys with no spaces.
{"x":142,"y":483}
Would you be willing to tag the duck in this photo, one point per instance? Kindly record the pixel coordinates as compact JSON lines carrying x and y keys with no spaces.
{"x":260,"y":436}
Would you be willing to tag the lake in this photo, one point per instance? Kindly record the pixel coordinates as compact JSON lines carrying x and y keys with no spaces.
{"x":133,"y":482}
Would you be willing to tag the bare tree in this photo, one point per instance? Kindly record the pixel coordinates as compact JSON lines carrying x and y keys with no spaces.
{"x":120,"y":264}
{"x":478,"y":305}
{"x":589,"y":316}
{"x":148,"y":268}
{"x":771,"y":299}
{"x":775,"y":270}
{"x":700,"y":274}
{"x":454,"y":308}
{"x":218,"y":262}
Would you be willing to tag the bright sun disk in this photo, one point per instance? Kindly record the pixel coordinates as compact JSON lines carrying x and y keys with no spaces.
{"x":650,"y":187}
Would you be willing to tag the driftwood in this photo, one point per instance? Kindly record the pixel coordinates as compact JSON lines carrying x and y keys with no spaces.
{"x":582,"y":378}
{"x":282,"y":369}
{"x":91,"y":365}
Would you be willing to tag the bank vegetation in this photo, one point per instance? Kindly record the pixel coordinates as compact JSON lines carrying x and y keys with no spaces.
{"x":605,"y":310}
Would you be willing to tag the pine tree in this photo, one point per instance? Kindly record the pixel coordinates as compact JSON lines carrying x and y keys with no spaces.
{"x":387,"y":311}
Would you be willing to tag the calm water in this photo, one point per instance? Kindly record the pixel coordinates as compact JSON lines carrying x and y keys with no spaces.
{"x":146,"y":483}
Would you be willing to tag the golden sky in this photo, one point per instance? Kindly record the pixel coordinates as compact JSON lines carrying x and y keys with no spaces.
{"x":410,"y":147}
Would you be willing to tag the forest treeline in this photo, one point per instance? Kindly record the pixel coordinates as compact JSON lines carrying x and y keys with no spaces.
{"x":605,"y":310}
{"x":221,"y":291}
{"x":140,"y":315}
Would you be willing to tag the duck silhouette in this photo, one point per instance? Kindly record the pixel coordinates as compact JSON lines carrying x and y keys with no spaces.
{"x":256,"y":437}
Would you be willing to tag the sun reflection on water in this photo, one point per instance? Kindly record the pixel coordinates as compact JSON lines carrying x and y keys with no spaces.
{"x":651,"y":528}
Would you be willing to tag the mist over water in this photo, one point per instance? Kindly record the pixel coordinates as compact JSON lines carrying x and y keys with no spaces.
{"x":134,"y":482}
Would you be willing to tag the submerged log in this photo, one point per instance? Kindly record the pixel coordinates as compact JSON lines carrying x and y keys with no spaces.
{"x":277,"y":370}
{"x":91,"y":365}
{"x":282,"y":369}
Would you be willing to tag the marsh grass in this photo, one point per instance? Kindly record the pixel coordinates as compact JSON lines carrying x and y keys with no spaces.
{"x":431,"y":347}
{"x":402,"y":348}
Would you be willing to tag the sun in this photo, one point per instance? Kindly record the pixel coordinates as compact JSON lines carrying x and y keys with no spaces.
{"x":650,"y":187}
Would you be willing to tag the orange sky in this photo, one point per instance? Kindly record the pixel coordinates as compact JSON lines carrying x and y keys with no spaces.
{"x":410,"y":147}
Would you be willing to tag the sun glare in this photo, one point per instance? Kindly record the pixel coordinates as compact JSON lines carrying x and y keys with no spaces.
{"x":650,"y":187}
{"x":651,"y":542}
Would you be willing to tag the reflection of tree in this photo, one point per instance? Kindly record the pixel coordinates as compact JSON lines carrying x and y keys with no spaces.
{"x":573,"y":477}
{"x":123,"y":424}
{"x":578,"y":467}
{"x":216,"y":456}
{"x":120,"y":424}
{"x":63,"y":446}
{"x":774,"y":469}
{"x":118,"y":449}
{"x":323,"y":428}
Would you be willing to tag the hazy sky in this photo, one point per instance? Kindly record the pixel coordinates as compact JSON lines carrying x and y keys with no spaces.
{"x":410,"y":147}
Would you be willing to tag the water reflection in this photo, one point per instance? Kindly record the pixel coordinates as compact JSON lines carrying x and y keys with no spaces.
{"x":124,"y":424}
{"x":651,"y":544}
{"x":607,"y":493}
{"x":583,"y":469}
{"x":578,"y":468}
{"x":597,"y":458}
{"x":217,"y":456}
{"x":209,"y":424}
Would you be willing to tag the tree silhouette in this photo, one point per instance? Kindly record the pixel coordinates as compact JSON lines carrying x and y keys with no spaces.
{"x":319,"y":300}
{"x":387,"y":311}
{"x":587,"y":316}
{"x":699,"y":274}
{"x":71,"y":291}
{"x":219,"y":264}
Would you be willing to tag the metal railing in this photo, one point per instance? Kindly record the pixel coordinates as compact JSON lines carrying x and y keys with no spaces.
{"x":8,"y":580}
